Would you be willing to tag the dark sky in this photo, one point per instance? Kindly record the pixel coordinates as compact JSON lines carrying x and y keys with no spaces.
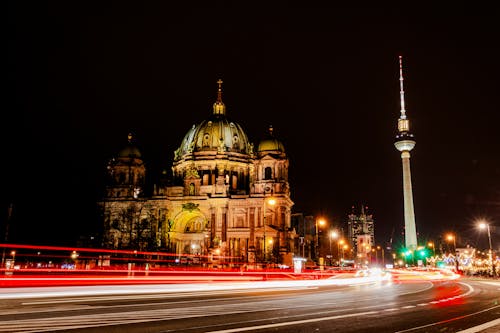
{"x":80,"y":76}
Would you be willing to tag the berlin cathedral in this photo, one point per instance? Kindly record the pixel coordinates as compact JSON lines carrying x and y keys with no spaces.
{"x":223,"y":196}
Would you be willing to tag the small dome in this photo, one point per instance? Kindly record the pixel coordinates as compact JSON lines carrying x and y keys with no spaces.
{"x":271,"y":144}
{"x":130,"y":150}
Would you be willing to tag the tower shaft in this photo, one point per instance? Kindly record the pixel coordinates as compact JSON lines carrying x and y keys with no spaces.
{"x":410,"y":229}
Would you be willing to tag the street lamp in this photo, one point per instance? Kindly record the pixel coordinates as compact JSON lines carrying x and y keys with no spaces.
{"x":13,"y":254}
{"x":333,"y":235}
{"x":271,"y":201}
{"x":340,"y":244}
{"x":319,"y":223}
{"x":450,"y":238}
{"x":431,"y":245}
{"x":484,"y":225}
{"x":345,"y":247}
{"x":379,"y":248}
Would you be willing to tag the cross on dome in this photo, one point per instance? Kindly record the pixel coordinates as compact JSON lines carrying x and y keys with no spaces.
{"x":219,"y":107}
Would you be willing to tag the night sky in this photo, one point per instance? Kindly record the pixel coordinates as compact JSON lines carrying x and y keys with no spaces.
{"x":78,"y":77}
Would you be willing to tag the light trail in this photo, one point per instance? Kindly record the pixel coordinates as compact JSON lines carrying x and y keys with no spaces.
{"x":75,"y":321}
{"x":162,"y":314}
{"x":11,"y":293}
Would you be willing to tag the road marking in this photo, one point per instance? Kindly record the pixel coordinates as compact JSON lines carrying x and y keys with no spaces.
{"x":408,"y":307}
{"x":493,"y":283}
{"x":481,"y":327}
{"x":129,"y":317}
{"x":453,"y":319}
{"x":296,"y":322}
{"x":124,"y":318}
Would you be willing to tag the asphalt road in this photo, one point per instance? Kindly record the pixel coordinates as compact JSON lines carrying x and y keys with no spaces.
{"x":398,"y":306}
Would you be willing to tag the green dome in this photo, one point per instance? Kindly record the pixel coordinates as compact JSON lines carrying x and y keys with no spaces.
{"x":271,"y":144}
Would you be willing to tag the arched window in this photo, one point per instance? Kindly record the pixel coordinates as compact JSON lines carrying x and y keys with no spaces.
{"x":268,"y":173}
{"x":234,"y":183}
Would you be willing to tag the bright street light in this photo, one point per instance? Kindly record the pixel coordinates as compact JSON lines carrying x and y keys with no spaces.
{"x":345,"y":247}
{"x":319,"y":223}
{"x":484,"y":225}
{"x":451,"y":237}
{"x":431,"y":245}
{"x":271,"y":201}
{"x":333,"y":235}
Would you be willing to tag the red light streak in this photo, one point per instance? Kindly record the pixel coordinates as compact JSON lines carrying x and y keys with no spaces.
{"x":41,"y":265}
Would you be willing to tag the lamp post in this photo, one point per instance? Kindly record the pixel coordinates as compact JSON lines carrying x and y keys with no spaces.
{"x":319,"y":222}
{"x":270,"y":244}
{"x":431,"y":245}
{"x":13,"y":254}
{"x":484,"y":225}
{"x":450,"y":238}
{"x":340,"y":245}
{"x":333,"y":235}
{"x":378,"y":248}
{"x":344,"y":247}
{"x":271,"y":201}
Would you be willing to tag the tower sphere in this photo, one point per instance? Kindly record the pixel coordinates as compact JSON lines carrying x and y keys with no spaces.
{"x":404,"y":145}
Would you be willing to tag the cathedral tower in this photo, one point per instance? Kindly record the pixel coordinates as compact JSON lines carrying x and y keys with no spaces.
{"x":126,"y":173}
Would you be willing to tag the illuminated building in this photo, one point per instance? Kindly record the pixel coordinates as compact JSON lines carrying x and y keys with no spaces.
{"x":405,"y":143}
{"x":213,"y":203}
{"x":361,"y":232}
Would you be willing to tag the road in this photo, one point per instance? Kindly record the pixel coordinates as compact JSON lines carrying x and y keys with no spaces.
{"x":401,"y":305}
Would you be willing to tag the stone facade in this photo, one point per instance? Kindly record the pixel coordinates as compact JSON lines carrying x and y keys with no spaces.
{"x":215,"y":203}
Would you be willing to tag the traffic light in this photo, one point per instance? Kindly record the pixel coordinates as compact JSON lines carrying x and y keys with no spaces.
{"x":406,"y":253}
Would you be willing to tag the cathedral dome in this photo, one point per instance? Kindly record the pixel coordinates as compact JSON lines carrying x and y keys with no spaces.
{"x":130,"y":150}
{"x":217,"y":133}
{"x":270,"y":144}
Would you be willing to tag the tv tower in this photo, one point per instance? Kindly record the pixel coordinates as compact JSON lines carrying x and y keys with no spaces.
{"x":405,"y":143}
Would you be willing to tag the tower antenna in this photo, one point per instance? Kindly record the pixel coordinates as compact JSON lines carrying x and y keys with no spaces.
{"x":401,"y":88}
